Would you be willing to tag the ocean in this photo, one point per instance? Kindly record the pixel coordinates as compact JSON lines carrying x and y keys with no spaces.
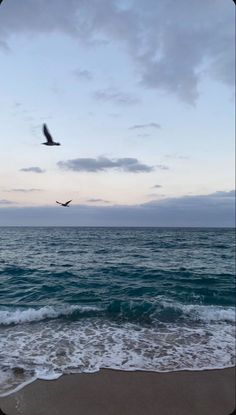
{"x":75,"y":299}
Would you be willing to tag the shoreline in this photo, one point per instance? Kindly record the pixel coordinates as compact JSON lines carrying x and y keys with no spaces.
{"x":114,"y":392}
{"x":34,"y":379}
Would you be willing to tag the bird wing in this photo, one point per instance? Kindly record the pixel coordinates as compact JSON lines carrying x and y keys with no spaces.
{"x":67,"y":203}
{"x":47,"y":134}
{"x":59,"y":203}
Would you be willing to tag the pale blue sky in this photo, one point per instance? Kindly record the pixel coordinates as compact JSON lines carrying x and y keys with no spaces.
{"x":118,"y":81}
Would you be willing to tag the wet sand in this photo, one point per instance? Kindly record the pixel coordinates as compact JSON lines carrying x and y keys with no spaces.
{"x":111,"y":392}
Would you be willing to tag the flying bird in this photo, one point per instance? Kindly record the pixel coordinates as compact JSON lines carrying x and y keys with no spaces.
{"x":66,"y":204}
{"x":49,"y":138}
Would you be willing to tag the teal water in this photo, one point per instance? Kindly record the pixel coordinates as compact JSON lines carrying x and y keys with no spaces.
{"x":78,"y":299}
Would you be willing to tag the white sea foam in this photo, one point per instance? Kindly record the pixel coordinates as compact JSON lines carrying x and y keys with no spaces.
{"x":48,"y":349}
{"x":213,"y":313}
{"x":206,"y":313}
{"x":10,"y":388}
{"x":20,"y":316}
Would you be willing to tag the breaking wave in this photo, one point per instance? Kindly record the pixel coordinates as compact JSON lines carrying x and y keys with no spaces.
{"x":127,"y":311}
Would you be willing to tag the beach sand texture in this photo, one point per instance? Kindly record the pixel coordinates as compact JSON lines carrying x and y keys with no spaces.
{"x":110,"y":392}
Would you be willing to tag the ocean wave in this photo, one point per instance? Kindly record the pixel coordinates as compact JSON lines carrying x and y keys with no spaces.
{"x":158,"y":311}
{"x":212,"y":313}
{"x":204,"y":313}
{"x":29,"y":315}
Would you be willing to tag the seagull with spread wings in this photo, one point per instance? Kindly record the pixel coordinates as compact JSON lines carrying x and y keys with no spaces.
{"x":49,"y":138}
{"x":66,"y":204}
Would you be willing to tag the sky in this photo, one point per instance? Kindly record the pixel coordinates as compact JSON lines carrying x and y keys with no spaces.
{"x":141,"y":97}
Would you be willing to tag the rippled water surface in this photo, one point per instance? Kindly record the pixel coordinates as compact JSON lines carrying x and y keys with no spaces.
{"x":78,"y":299}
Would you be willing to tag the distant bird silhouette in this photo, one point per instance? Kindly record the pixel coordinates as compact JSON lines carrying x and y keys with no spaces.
{"x":49,"y":138}
{"x":64,"y":204}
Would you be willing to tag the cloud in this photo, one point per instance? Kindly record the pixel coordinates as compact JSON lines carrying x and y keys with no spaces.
{"x":143,"y":135}
{"x":162,"y":167}
{"x":114,"y":115}
{"x":213,"y":210}
{"x":155,"y":195}
{"x":33,"y":169}
{"x":126,"y":164}
{"x":4,"y":46}
{"x":83,"y":74}
{"x":94,"y":200}
{"x":116,"y":97}
{"x":173,"y":45}
{"x":151,"y":124}
{"x":223,"y":194}
{"x":220,"y":198}
{"x":176,"y":157}
{"x":191,"y":40}
{"x":24,"y":190}
{"x":157,"y":186}
{"x":6,"y":202}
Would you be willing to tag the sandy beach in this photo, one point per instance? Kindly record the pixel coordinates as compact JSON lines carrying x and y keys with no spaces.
{"x":110,"y":392}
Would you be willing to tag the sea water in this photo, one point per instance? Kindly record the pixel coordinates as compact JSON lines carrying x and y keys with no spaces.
{"x":76,"y":299}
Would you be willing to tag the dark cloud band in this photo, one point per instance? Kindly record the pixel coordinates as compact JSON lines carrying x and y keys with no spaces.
{"x":213,"y":210}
